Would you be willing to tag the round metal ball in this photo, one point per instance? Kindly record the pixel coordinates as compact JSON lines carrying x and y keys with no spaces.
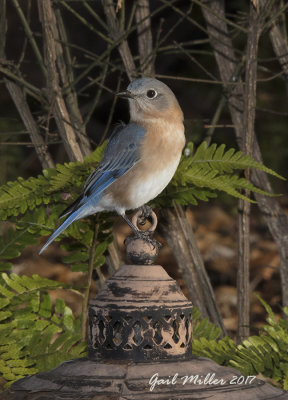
{"x":141,"y":251}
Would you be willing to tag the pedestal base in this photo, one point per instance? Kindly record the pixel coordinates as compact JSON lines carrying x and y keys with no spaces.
{"x":197,"y":378}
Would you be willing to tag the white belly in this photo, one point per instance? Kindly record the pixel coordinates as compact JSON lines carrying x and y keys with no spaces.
{"x":148,"y":189}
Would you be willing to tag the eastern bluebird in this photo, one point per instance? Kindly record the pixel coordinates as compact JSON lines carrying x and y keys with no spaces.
{"x":140,"y":158}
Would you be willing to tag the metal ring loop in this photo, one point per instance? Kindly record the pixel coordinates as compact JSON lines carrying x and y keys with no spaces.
{"x":154,"y":221}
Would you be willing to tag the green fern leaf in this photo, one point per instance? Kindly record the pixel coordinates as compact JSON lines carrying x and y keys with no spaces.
{"x":19,"y":196}
{"x":36,"y":336}
{"x":213,"y":168}
{"x":216,"y":158}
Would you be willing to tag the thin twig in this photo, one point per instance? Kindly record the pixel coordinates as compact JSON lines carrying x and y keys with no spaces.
{"x":97,"y":82}
{"x":215,"y":119}
{"x":221,"y":105}
{"x":131,"y":16}
{"x":182,"y":78}
{"x":21,"y":104}
{"x":275,"y":16}
{"x":192,"y":21}
{"x":30,"y":144}
{"x":271,"y":78}
{"x":98,"y":94}
{"x":112,"y":109}
{"x":221,"y":126}
{"x":24,"y":48}
{"x":195,"y":61}
{"x":219,"y":16}
{"x":86,"y":23}
{"x":173,"y":28}
{"x":268,"y":110}
{"x":21,"y":132}
{"x":95,"y":15}
{"x":11,"y":75}
{"x":157,"y":41}
{"x":243,"y":272}
{"x":30,"y":36}
{"x":3,"y":27}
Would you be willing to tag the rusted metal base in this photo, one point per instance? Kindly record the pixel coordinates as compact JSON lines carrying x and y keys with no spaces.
{"x":86,"y":379}
{"x":140,"y":314}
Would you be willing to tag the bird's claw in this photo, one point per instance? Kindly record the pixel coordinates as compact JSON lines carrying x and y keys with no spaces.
{"x":146,"y":213}
{"x":146,"y":236}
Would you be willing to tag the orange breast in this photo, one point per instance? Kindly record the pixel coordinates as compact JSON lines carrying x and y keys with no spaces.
{"x":160,"y":151}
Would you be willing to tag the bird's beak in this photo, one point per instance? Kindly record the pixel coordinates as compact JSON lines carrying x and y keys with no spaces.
{"x":125,"y":95}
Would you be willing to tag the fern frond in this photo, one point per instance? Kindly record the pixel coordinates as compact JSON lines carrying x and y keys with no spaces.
{"x":21,"y":195}
{"x":35,"y":336}
{"x":210,"y":169}
{"x":216,"y":158}
{"x":78,"y":258}
{"x":16,"y":197}
{"x":72,"y":174}
{"x":12,"y":245}
{"x":231,"y":184}
{"x":205,"y":343}
{"x":266,"y":353}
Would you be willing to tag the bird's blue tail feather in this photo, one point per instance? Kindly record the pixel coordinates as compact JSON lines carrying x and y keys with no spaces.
{"x":73,"y":217}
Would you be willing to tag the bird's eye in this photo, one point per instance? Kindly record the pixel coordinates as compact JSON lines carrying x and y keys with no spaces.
{"x":151,"y":93}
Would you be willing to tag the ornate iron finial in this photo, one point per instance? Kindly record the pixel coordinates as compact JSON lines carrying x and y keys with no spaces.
{"x":142,"y":249}
{"x":140,"y":313}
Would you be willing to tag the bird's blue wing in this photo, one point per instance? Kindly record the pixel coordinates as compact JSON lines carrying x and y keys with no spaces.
{"x":121,"y":153}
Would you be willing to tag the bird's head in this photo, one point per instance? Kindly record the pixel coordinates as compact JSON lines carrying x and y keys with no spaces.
{"x":151,"y":99}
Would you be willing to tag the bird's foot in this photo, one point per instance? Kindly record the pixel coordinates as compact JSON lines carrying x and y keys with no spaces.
{"x":147,"y":237}
{"x":146,"y":213}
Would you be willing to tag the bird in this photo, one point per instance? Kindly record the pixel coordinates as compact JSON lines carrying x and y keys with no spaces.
{"x":140,"y":158}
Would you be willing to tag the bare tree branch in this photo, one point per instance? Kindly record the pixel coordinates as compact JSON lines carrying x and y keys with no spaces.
{"x":116,"y":33}
{"x":145,"y":44}
{"x":3,"y":28}
{"x":60,"y":111}
{"x":243,"y":273}
{"x":279,"y":43}
{"x":20,"y":102}
{"x":64,"y":63}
